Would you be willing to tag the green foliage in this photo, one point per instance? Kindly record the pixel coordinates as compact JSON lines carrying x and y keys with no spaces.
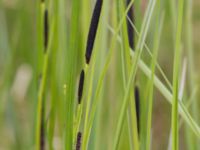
{"x":39,"y":101}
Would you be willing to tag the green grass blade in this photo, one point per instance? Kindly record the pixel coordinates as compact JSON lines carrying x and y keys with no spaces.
{"x":102,"y":75}
{"x":168,"y":95}
{"x":151,"y":55}
{"x":71,"y":65}
{"x":136,"y":58}
{"x":126,"y":62}
{"x":191,"y":139}
{"x":174,"y":123}
{"x":41,"y":92}
{"x":157,"y":36}
{"x":53,"y":82}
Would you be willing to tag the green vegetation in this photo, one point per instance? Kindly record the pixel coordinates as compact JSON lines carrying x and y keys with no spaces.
{"x":99,"y":75}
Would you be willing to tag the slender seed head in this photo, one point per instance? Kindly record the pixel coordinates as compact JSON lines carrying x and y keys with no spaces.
{"x":129,"y":27}
{"x":78,"y":141}
{"x":137,"y":104}
{"x":80,"y":88}
{"x":42,"y":130}
{"x":93,"y":30}
{"x":46,"y":29}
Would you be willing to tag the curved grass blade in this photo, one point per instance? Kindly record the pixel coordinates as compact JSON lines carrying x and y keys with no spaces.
{"x":167,"y":94}
{"x":151,"y":55}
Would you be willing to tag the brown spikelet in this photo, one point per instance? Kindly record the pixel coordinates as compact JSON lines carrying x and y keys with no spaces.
{"x":93,"y":30}
{"x":78,"y":141}
{"x":80,"y":88}
{"x":42,"y":130}
{"x":46,"y":29}
{"x":129,"y":26}
{"x":137,"y":104}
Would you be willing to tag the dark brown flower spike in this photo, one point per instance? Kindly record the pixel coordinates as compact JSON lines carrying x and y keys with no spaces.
{"x":78,"y":141}
{"x":93,"y":30}
{"x":137,"y":105}
{"x":42,"y":130}
{"x":81,"y":84}
{"x":129,"y":26}
{"x":46,"y":29}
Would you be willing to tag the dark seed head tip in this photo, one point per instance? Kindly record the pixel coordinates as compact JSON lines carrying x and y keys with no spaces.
{"x":137,"y":104}
{"x":78,"y":141}
{"x":93,"y":30}
{"x":129,"y":26}
{"x":137,"y":93}
{"x":81,"y":84}
{"x":42,"y":130}
{"x":46,"y":29}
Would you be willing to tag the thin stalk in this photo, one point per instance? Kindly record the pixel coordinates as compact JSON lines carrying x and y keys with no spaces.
{"x":41,"y":93}
{"x":148,"y":51}
{"x":88,"y":54}
{"x":77,"y":121}
{"x":159,"y":25}
{"x":54,"y":97}
{"x":102,"y":75}
{"x":181,"y":90}
{"x":79,"y":107}
{"x":102,"y":45}
{"x":127,"y":41}
{"x":174,"y":124}
{"x":151,"y":55}
{"x":136,"y":58}
{"x":40,"y":106}
{"x":71,"y":65}
{"x":167,"y":94}
{"x":192,"y":142}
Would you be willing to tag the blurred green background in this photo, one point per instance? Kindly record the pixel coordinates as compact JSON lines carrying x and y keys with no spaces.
{"x":19,"y":75}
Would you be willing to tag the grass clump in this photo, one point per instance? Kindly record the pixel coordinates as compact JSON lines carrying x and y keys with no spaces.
{"x":98,"y":75}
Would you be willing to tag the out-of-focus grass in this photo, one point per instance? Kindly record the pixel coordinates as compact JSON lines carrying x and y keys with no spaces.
{"x":20,"y":69}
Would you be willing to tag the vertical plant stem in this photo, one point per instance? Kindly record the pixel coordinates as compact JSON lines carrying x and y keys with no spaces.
{"x":192,"y":142}
{"x":128,"y":41}
{"x":125,"y":57}
{"x":167,"y":94}
{"x":54,"y":86}
{"x":71,"y":65}
{"x":88,"y":54}
{"x":40,"y":102}
{"x":157,"y":35}
{"x":136,"y":58}
{"x":175,"y":137}
{"x":102,"y":75}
